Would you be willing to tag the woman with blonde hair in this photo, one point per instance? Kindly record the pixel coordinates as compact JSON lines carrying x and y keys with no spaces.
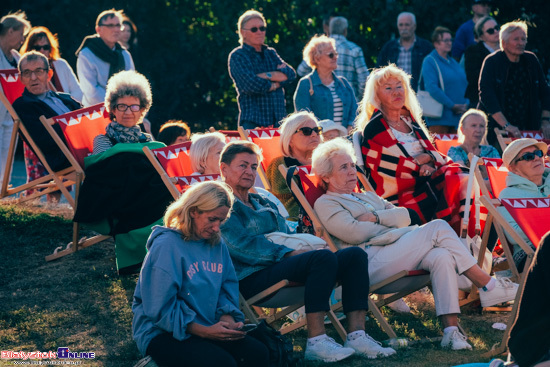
{"x":404,"y":166}
{"x":186,"y":301}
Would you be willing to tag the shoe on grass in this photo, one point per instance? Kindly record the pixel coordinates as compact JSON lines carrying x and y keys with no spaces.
{"x":504,"y":291}
{"x":327,"y":350}
{"x":455,"y":340}
{"x":366,"y":346}
{"x":399,"y":306}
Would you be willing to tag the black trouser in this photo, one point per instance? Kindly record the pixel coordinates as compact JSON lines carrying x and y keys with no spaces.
{"x":198,"y":352}
{"x":319,"y":271}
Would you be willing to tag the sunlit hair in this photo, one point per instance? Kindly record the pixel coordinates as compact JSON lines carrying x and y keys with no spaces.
{"x":507,"y":29}
{"x":33,"y":56}
{"x":478,"y":28}
{"x":338,"y":25}
{"x":35,"y":35}
{"x":240,"y":146}
{"x":371,"y":101}
{"x":128,"y":83}
{"x":203,"y":197}
{"x":171,"y":130}
{"x":315,"y":48}
{"x":438,"y":33}
{"x":200,"y":149}
{"x":469,"y":113}
{"x":14,"y":21}
{"x":406,"y":13}
{"x":288,"y":128}
{"x":108,"y":14}
{"x":321,"y":159}
{"x":243,"y":19}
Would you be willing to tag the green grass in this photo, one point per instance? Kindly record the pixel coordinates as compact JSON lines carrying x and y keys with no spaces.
{"x":80,"y":302}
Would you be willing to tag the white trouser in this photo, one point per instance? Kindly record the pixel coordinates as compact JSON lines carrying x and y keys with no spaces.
{"x":434,"y":247}
{"x":6,"y":128}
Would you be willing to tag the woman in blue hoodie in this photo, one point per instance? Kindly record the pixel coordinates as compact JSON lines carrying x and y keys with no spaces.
{"x":186,"y":302}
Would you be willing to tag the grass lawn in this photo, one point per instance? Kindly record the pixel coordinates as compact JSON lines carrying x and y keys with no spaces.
{"x":81,"y":303}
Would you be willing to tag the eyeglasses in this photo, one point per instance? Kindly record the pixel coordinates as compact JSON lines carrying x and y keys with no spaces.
{"x":492,"y":30}
{"x":123,"y":107}
{"x":111,"y":26}
{"x":530,"y":156}
{"x":448,"y":40}
{"x":42,"y":47}
{"x":332,"y":55}
{"x":255,"y":29}
{"x":38,"y":72}
{"x":308,"y":130}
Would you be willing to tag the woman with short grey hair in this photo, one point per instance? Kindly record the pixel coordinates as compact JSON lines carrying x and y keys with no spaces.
{"x":205,"y":153}
{"x":128,"y":99}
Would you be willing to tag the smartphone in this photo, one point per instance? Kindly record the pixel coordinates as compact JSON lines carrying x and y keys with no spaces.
{"x":248,"y":327}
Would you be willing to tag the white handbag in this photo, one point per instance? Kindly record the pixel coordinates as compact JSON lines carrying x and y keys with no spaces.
{"x":430,"y":107}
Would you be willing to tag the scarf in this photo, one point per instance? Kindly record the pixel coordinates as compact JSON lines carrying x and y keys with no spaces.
{"x":114,"y":58}
{"x":123,"y":134}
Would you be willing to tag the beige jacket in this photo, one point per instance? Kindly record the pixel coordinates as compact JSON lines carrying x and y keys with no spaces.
{"x":338,"y":212}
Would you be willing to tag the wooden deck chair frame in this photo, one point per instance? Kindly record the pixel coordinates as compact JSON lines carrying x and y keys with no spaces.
{"x":399,"y":285}
{"x":49,"y":183}
{"x":76,"y":244}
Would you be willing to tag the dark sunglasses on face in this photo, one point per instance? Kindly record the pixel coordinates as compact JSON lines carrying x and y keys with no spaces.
{"x":332,"y":55}
{"x":42,"y":47}
{"x":123,"y":107}
{"x":530,"y":156}
{"x":255,"y":29}
{"x":111,"y":26}
{"x":308,"y":130}
{"x":492,"y":30}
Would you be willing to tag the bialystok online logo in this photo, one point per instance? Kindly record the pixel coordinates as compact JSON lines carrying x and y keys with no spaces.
{"x":62,"y":353}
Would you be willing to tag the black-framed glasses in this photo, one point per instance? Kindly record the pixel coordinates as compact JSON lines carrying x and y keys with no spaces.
{"x":332,"y":55}
{"x":308,"y":130}
{"x":123,"y":107}
{"x":41,"y":47}
{"x":492,"y":30}
{"x":38,"y":72}
{"x":530,"y":156}
{"x":111,"y":26}
{"x":255,"y":29}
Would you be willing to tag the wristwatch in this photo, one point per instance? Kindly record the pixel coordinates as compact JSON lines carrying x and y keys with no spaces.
{"x":269,"y":75}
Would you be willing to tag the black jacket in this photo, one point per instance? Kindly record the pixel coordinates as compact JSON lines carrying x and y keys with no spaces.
{"x":473,"y":60}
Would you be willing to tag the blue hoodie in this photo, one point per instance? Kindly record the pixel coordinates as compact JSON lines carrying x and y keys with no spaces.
{"x":182,"y":282}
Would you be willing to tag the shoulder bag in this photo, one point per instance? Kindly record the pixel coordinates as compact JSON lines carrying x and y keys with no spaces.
{"x":430,"y":107}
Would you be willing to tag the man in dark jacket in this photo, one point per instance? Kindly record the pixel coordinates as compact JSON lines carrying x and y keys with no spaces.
{"x":38,"y":100}
{"x":408,"y":51}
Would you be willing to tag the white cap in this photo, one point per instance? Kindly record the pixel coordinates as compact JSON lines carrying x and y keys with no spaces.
{"x":328,"y":125}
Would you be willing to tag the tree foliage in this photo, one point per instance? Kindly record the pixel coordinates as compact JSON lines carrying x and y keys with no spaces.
{"x":184,"y":44}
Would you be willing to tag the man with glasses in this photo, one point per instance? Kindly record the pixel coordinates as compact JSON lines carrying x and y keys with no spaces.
{"x":38,"y":100}
{"x":528,"y":178}
{"x":260,"y":75}
{"x":100,"y":56}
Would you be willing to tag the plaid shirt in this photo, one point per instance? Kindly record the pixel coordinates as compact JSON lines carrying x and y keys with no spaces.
{"x":256,"y":103}
{"x":404,"y":59}
{"x":351,"y":64}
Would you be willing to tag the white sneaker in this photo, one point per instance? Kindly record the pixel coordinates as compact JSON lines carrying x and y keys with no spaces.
{"x":368,"y":347}
{"x":399,"y":306}
{"x":327,"y":350}
{"x":504,"y":291}
{"x":146,"y":362}
{"x":455,"y":340}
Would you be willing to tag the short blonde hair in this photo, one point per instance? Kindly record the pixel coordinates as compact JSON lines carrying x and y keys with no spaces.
{"x":471,"y":112}
{"x":203,"y":197}
{"x":321,"y":159}
{"x":371,"y":101}
{"x":507,"y":29}
{"x":200,"y":147}
{"x":315,"y":47}
{"x":243,"y":19}
{"x":290,"y":124}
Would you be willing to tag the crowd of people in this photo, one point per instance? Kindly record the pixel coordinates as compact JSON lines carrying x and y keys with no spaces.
{"x":214,"y":241}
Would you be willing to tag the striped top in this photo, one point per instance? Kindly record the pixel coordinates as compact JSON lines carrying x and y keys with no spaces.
{"x":338,"y":107}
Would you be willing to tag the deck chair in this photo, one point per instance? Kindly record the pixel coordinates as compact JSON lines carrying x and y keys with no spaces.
{"x":397,"y":286}
{"x":231,"y":135}
{"x":503,"y":138}
{"x":79,"y":128}
{"x":444,"y":142}
{"x":268,"y":140}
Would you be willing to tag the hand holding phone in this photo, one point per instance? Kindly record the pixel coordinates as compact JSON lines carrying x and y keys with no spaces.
{"x":248,"y":327}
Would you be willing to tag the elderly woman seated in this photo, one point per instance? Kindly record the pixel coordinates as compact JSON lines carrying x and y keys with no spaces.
{"x":127,"y":99}
{"x":261,"y":263}
{"x":369,"y":222}
{"x":528,"y":178}
{"x":300,"y":134}
{"x":205,"y":153}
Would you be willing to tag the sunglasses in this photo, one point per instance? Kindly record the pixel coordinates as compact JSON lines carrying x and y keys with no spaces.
{"x":255,"y":29}
{"x":42,"y":47}
{"x":111,"y":26}
{"x":492,"y":30}
{"x":308,"y":130}
{"x":332,"y":55}
{"x":530,"y":156}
